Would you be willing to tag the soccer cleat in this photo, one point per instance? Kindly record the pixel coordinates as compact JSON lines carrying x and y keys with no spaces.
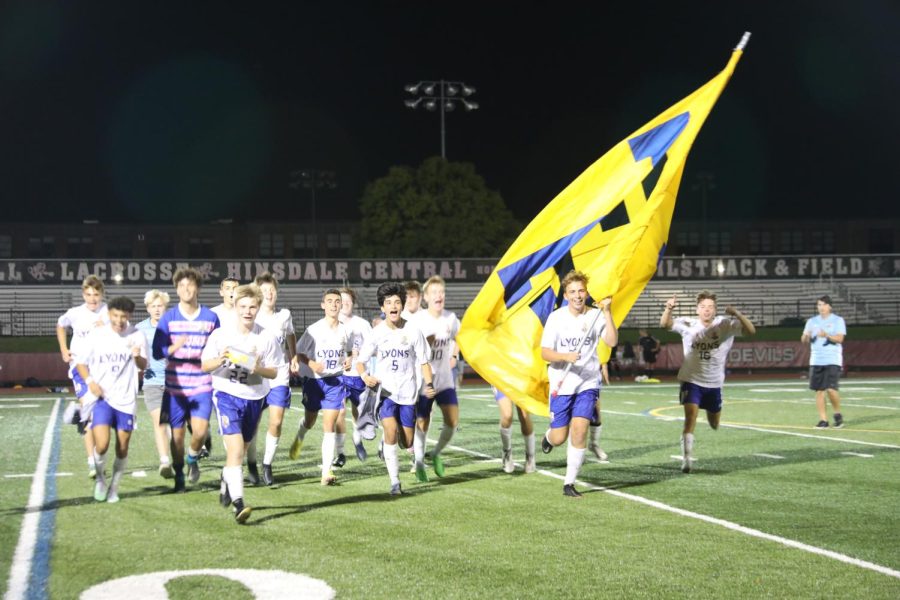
{"x":267,"y":476}
{"x":546,"y":446}
{"x":396,"y":490}
{"x":421,"y":476}
{"x":508,"y":465}
{"x":179,"y":483}
{"x":241,"y":512}
{"x":530,"y":467}
{"x":193,"y":464}
{"x":295,"y":448}
{"x":438,"y":464}
{"x":252,"y":473}
{"x":381,"y":450}
{"x":838,"y":420}
{"x":570,"y":491}
{"x":100,"y":490}
{"x":822,"y":425}
{"x":361,"y":453}
{"x":339,"y":461}
{"x":166,"y":471}
{"x":329,"y":479}
{"x":112,"y":496}
{"x":598,"y":452}
{"x":92,"y":471}
{"x":686,"y":463}
{"x":203,"y":453}
{"x":207,"y":445}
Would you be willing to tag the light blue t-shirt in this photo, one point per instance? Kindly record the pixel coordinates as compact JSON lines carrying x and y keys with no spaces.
{"x":822,"y":351}
{"x":155,"y":373}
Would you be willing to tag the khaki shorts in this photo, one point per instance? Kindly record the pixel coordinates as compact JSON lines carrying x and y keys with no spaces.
{"x":153,"y":397}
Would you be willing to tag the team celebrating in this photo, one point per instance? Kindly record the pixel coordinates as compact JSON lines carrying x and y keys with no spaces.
{"x":239,"y":358}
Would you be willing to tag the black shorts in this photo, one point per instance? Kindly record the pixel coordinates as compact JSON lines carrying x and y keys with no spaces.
{"x":824,"y":377}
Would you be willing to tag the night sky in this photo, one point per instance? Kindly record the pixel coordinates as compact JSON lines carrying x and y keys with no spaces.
{"x":189,"y":112}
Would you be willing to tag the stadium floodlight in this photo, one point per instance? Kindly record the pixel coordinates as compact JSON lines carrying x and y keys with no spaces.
{"x":313,"y":179}
{"x":443,"y":95}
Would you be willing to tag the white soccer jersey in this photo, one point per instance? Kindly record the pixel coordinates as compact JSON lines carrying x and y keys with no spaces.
{"x":107,"y":356}
{"x":82,"y":320}
{"x":227,"y":316}
{"x":565,"y":332}
{"x":235,"y":380}
{"x":444,"y":328}
{"x":358,"y":329}
{"x":706,"y":349}
{"x":280,"y":325}
{"x":399,"y":353}
{"x":326,"y":344}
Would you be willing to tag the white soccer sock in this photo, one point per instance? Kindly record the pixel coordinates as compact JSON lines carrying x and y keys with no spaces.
{"x":419,"y":438}
{"x":443,"y":439}
{"x":164,"y":459}
{"x":301,"y":433}
{"x":506,"y":438}
{"x":223,"y":485}
{"x":119,"y":466}
{"x":339,"y":439}
{"x":357,"y":436}
{"x":595,"y":434}
{"x":271,"y":447}
{"x":234,"y":479}
{"x":91,"y":462}
{"x":251,"y":450}
{"x":574,"y":458}
{"x":392,"y":463}
{"x":687,"y":444}
{"x":100,"y":465}
{"x":529,"y":444}
{"x":327,"y":452}
{"x":192,"y":453}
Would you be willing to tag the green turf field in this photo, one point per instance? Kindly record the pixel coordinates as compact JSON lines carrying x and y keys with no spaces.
{"x":774,"y":508}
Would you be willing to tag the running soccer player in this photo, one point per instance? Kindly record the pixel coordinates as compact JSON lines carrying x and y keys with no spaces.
{"x":706,"y":341}
{"x":358,"y":328}
{"x":525,"y":425}
{"x":401,"y":352}
{"x":324,"y":347}
{"x":180,"y":336}
{"x":81,"y":320}
{"x":242,"y":358}
{"x":440,"y":328}
{"x":225,"y":310}
{"x":108,"y":363}
{"x":569,"y":344}
{"x":280,"y":324}
{"x":413,"y":301}
{"x":155,"y":379}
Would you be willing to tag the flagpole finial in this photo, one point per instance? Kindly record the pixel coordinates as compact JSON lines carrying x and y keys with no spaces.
{"x":743,"y":43}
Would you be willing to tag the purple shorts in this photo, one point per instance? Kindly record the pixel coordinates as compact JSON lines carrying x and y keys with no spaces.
{"x":709,"y":399}
{"x":104,"y":414}
{"x":404,"y":413}
{"x":444,"y":397}
{"x":237,"y":415}
{"x":354,"y":387}
{"x":327,"y":393}
{"x":177,"y":409}
{"x":564,"y":408}
{"x":279,"y":396}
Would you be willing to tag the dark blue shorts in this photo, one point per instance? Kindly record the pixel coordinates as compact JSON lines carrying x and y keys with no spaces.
{"x":709,"y":399}
{"x":237,"y":415}
{"x":176,"y":410}
{"x":354,"y":386}
{"x":443,"y":398}
{"x":404,"y":413}
{"x":104,"y":414}
{"x":279,"y":396}
{"x":564,"y":408}
{"x":327,"y":393}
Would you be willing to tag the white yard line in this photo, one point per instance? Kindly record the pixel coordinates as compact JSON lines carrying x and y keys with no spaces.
{"x":764,"y":455}
{"x":20,"y":405}
{"x":858,"y":454}
{"x":715,"y":521}
{"x":30,"y":475}
{"x":24,"y":555}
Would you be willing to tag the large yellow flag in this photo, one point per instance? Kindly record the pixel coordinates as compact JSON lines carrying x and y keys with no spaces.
{"x":612,"y":223}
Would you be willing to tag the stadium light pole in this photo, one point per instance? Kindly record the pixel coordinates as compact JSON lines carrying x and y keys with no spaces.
{"x":313,"y":179}
{"x":440,"y":95}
